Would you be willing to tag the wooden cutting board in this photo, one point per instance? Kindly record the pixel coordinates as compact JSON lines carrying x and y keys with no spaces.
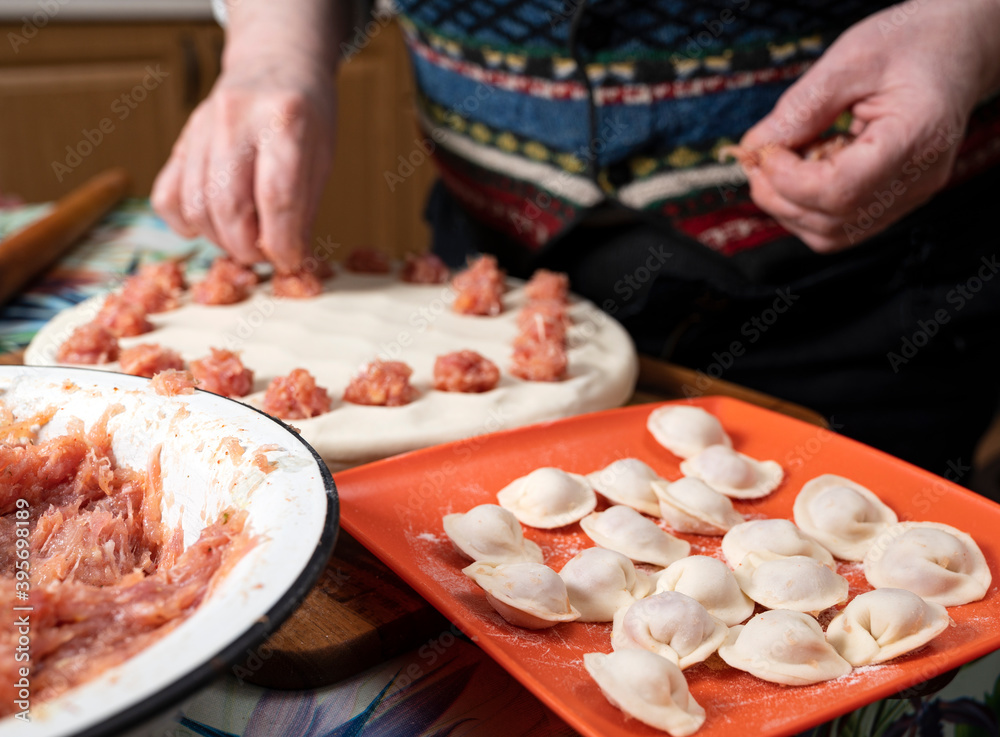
{"x":360,"y":613}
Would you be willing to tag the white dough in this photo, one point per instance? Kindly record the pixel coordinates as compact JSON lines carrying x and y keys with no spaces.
{"x":843,"y":516}
{"x":528,"y":595}
{"x":691,"y":505}
{"x":710,"y":582}
{"x":670,"y":624}
{"x":628,"y":481}
{"x":934,"y":561}
{"x":647,"y":687}
{"x":685,"y":430}
{"x":799,"y":583}
{"x":778,"y":536}
{"x":361,"y":317}
{"x":490,"y":534}
{"x":734,"y":474}
{"x":625,"y":530}
{"x":548,"y":498}
{"x":600,"y":582}
{"x":783,"y":646}
{"x":884,"y":624}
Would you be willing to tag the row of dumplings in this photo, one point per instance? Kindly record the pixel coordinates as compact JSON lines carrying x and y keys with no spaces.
{"x":771,"y":562}
{"x":643,"y":678}
{"x":698,"y":503}
{"x":678,"y":616}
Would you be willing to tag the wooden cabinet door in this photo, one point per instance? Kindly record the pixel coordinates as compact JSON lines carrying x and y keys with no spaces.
{"x":377,"y":126}
{"x":78,"y":98}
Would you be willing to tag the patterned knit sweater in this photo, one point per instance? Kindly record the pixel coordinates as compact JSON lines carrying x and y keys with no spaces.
{"x":539,"y":110}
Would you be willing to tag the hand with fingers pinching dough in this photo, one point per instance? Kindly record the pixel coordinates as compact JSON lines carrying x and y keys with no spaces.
{"x":910,"y":77}
{"x":249,"y":167}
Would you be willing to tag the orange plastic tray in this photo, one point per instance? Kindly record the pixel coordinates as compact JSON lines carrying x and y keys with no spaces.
{"x":394,"y":508}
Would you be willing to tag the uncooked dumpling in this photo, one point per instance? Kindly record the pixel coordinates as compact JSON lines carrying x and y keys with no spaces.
{"x":710,"y":582}
{"x":600,"y":582}
{"x":548,"y":498}
{"x":778,"y":536}
{"x":783,"y":646}
{"x":670,"y":624}
{"x":628,"y":481}
{"x":625,"y":530}
{"x":734,"y":474}
{"x":884,"y":624}
{"x":528,"y":595}
{"x":691,"y":505}
{"x":490,"y":534}
{"x":685,"y":430}
{"x":647,"y":687}
{"x":934,"y":561}
{"x":842,"y":515}
{"x":798,"y":582}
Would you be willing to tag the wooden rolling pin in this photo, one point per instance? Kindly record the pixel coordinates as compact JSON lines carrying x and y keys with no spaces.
{"x":26,"y":253}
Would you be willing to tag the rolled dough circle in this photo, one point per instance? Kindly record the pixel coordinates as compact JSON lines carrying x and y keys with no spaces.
{"x":360,"y":317}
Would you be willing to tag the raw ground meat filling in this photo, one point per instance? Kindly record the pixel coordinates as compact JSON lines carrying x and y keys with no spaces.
{"x":226,"y":283}
{"x":168,"y":275}
{"x":35,"y":473}
{"x":223,"y":373}
{"x":156,"y":287}
{"x":465,"y":371}
{"x":424,"y":269}
{"x":225,"y":269}
{"x":89,"y":344}
{"x":384,"y":383}
{"x":367,"y":261}
{"x":170,"y":383}
{"x":107,"y":577}
{"x":299,"y":285}
{"x":545,"y":284}
{"x":218,"y":292}
{"x":123,"y":318}
{"x":149,"y":359}
{"x":543,"y":321}
{"x":826,"y":148}
{"x":545,"y":361}
{"x":296,"y":396}
{"x":151,"y":297}
{"x":479,"y":289}
{"x":540,"y":345}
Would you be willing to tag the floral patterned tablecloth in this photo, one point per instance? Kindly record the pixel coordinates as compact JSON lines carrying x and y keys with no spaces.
{"x":444,"y":690}
{"x":128,"y":237}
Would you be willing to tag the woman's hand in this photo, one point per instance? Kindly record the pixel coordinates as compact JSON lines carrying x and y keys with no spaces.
{"x":910,"y":75}
{"x":250,"y":165}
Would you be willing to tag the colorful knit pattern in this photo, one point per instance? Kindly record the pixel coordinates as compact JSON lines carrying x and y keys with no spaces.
{"x":542,"y":109}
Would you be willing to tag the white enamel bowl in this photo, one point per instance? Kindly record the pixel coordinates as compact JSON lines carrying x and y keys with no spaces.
{"x":293,"y":513}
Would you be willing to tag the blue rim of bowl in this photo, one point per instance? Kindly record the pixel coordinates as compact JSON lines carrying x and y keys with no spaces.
{"x":267,"y":624}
